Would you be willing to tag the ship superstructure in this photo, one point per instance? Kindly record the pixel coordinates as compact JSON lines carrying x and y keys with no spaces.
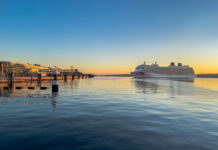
{"x":171,"y":71}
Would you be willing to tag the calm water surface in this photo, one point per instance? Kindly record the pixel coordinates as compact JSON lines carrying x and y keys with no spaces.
{"x":111,"y":113}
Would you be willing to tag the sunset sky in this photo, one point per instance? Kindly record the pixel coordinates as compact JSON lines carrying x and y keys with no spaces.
{"x":110,"y":36}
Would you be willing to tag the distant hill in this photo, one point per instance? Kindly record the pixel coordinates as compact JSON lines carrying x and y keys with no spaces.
{"x":207,"y":75}
{"x":129,"y":75}
{"x":117,"y":75}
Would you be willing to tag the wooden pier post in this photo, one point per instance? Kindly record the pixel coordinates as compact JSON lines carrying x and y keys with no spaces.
{"x":10,"y":79}
{"x":31,"y":78}
{"x":39,"y":77}
{"x":65,"y":77}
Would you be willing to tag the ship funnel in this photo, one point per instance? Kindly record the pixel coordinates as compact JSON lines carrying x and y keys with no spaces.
{"x":180,"y":64}
{"x":172,"y":64}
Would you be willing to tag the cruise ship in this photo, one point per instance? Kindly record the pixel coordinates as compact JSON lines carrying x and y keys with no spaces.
{"x":156,"y":71}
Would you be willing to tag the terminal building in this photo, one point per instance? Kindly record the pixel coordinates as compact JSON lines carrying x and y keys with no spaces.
{"x":21,"y":69}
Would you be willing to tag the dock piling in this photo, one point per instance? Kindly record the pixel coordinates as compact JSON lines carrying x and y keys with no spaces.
{"x":39,"y":77}
{"x":10,"y":79}
{"x":65,"y":77}
{"x":55,"y":82}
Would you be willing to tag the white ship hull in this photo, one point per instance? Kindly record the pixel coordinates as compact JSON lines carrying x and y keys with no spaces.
{"x":156,"y":71}
{"x":154,"y":75}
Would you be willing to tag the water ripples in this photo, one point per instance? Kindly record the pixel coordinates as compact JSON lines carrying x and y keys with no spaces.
{"x":112,"y":113}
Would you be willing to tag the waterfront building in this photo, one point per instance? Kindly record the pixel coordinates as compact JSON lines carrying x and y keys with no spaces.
{"x":68,"y":71}
{"x":20,"y":69}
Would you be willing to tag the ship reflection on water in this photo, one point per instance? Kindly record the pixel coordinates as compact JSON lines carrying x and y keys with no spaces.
{"x":155,"y":86}
{"x":147,"y":87}
{"x":176,"y":87}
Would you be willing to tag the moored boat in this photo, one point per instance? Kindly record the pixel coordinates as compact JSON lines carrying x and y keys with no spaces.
{"x":156,"y":71}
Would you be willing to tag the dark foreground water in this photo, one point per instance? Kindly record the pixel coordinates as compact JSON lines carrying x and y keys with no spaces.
{"x":111,"y":113}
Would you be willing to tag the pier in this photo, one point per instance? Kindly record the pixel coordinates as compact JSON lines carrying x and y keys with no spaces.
{"x":13,"y":86}
{"x":44,"y":78}
{"x":20,"y":72}
{"x":12,"y":73}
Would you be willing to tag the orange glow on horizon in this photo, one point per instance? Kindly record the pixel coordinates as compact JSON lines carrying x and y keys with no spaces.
{"x":199,"y":69}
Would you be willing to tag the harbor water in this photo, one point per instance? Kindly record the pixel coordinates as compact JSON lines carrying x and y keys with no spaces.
{"x":111,"y":113}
